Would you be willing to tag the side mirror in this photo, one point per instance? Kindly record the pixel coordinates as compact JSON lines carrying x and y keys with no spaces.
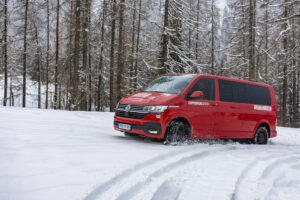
{"x":197,"y":94}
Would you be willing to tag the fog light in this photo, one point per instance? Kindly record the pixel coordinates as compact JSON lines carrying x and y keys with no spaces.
{"x":153,"y":132}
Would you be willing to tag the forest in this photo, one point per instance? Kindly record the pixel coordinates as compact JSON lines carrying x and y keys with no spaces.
{"x":88,"y":54}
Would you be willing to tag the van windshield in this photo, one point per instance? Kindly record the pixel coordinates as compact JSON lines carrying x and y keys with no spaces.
{"x":173,"y":84}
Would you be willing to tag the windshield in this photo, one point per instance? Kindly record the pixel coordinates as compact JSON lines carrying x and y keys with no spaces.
{"x":169,"y":84}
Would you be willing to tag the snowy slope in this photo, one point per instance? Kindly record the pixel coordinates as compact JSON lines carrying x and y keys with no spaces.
{"x":77,"y":155}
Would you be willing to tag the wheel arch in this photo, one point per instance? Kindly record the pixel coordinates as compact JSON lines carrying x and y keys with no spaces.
{"x":179,"y":118}
{"x":263,"y":124}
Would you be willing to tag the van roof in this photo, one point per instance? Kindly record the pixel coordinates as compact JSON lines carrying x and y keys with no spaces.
{"x":221,"y":77}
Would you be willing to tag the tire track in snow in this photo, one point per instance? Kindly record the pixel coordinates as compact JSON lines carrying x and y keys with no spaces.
{"x":101,"y":189}
{"x":272,"y":167}
{"x":166,"y":191}
{"x":243,"y":176}
{"x":266,"y":171}
{"x":133,"y":191}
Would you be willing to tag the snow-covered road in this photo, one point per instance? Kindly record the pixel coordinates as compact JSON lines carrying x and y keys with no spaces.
{"x":77,"y":155}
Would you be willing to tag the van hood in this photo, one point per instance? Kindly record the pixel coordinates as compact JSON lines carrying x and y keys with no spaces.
{"x":149,"y":98}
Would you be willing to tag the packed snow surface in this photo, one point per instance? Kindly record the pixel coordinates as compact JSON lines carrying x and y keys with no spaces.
{"x":47,"y":155}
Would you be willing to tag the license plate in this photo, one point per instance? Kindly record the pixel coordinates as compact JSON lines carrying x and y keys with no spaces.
{"x":124,"y":126}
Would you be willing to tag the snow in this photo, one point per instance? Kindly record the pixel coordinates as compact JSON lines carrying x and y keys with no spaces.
{"x":47,"y":154}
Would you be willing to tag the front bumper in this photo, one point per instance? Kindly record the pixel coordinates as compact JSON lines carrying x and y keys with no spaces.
{"x":150,"y":126}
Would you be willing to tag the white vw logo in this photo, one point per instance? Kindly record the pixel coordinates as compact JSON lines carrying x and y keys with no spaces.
{"x":127,"y":108}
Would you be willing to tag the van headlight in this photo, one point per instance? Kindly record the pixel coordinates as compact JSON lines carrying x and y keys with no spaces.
{"x":155,"y":109}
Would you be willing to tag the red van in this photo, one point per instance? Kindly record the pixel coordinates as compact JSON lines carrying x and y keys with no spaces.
{"x":175,"y":107}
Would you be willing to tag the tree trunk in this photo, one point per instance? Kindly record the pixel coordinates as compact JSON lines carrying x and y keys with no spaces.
{"x":89,"y":57}
{"x":284,"y":87}
{"x":38,"y":50}
{"x":197,"y":34}
{"x":11,"y":94}
{"x":47,"y":55}
{"x":190,"y":30}
{"x":266,"y":37}
{"x":120,"y":51}
{"x":294,"y":79}
{"x":256,"y":66}
{"x":244,"y":45}
{"x":212,"y":39}
{"x":251,"y":41}
{"x":294,"y":97}
{"x":163,"y":67}
{"x":132,"y":46}
{"x":5,"y":54}
{"x":25,"y":55}
{"x":56,"y":57}
{"x":83,"y":77}
{"x":137,"y":47}
{"x":75,"y":79}
{"x":101,"y":57}
{"x":59,"y":96}
{"x":298,"y":98}
{"x":112,"y":51}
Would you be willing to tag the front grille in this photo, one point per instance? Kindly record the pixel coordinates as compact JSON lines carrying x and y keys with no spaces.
{"x":133,"y":115}
{"x":133,"y":108}
{"x":135,"y":111}
{"x":122,"y":106}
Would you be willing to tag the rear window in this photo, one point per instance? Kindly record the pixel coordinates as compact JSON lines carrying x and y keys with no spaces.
{"x":243,"y":93}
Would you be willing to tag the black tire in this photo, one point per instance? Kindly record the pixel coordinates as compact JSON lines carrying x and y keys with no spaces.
{"x":261,"y":135}
{"x":177,"y":131}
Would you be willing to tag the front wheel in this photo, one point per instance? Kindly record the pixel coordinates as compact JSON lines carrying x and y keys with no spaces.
{"x":261,"y":136}
{"x":178,"y":131}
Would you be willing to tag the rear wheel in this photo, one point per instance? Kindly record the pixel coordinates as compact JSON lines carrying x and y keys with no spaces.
{"x":261,"y":136}
{"x":178,"y":131}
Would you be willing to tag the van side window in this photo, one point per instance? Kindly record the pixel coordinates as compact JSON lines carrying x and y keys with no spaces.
{"x":258,"y":95}
{"x":207,"y":86}
{"x":239,"y":92}
{"x":231,"y":91}
{"x":226,"y":91}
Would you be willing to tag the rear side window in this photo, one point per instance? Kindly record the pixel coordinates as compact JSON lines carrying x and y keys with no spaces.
{"x":259,"y":95}
{"x":243,"y":93}
{"x":207,"y":86}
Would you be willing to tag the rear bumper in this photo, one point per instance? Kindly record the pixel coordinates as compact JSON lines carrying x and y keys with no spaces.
{"x":144,"y":127}
{"x":273,"y":133}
